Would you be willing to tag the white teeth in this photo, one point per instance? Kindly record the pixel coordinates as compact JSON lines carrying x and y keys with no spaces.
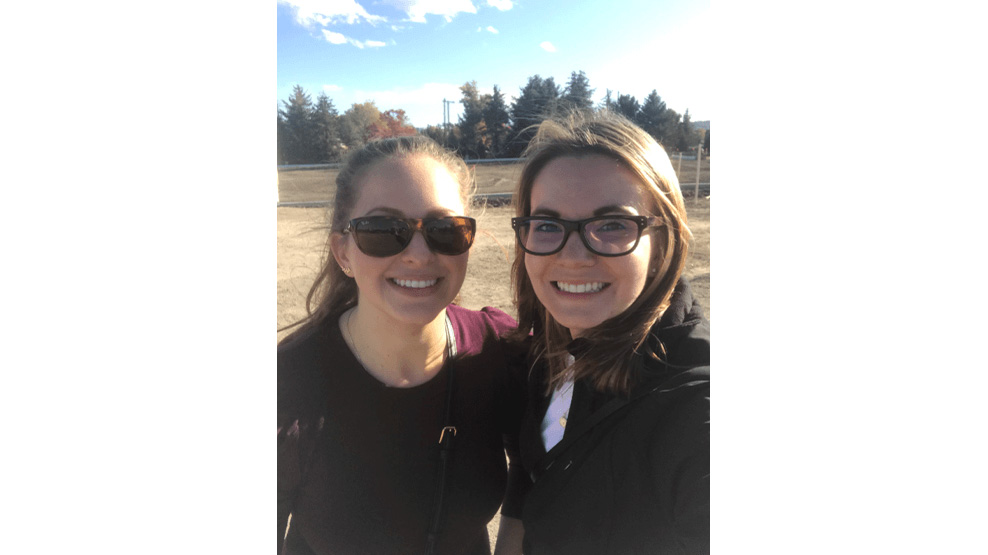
{"x":412,"y":284}
{"x":581,"y":288}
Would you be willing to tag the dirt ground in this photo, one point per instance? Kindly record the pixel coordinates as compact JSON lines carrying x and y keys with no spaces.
{"x":302,"y":239}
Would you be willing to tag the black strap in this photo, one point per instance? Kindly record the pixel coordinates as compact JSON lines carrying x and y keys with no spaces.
{"x":569,"y":437}
{"x":446,"y":436}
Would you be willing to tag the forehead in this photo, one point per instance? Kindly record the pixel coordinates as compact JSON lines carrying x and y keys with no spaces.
{"x":576,"y":186}
{"x":416,"y":186}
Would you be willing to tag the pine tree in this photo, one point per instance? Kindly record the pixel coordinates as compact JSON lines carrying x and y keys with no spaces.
{"x":496,"y":119}
{"x":686,"y":138}
{"x":326,"y":125}
{"x":298,"y":129}
{"x":627,"y":105}
{"x":651,"y":116}
{"x":471,"y":133}
{"x":537,"y":101}
{"x":578,"y":95}
{"x":670,"y":130}
{"x":608,"y":102}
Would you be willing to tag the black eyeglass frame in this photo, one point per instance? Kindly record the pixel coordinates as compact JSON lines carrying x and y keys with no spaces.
{"x":414,"y":224}
{"x":569,"y":226}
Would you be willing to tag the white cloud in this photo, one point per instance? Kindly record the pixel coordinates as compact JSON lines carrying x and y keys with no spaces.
{"x":492,"y":29}
{"x":338,"y":38}
{"x":332,"y":88}
{"x":418,"y":9}
{"x":503,"y":5}
{"x":548,"y":47}
{"x":325,"y":12}
{"x":334,"y":38}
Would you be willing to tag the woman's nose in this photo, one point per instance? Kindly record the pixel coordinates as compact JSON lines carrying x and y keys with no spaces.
{"x":574,"y":250}
{"x":417,"y":248}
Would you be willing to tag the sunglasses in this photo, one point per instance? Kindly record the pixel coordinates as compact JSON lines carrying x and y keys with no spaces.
{"x":603,"y":235}
{"x":383,"y":236}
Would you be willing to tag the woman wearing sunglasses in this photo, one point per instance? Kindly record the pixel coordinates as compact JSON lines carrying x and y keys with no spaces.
{"x":616,"y":432}
{"x":394,"y":405}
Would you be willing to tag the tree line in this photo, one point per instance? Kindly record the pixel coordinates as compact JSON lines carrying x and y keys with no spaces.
{"x":489,"y":127}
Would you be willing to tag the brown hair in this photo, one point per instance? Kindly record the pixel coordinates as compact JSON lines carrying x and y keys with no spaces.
{"x":611,"y":345}
{"x":333,"y":291}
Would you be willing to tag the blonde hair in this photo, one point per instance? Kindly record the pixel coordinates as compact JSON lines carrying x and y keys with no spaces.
{"x":333,"y":291}
{"x":610,"y":346}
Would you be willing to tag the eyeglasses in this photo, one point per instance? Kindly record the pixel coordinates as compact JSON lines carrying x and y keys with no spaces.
{"x":603,"y":235}
{"x":383,"y":236}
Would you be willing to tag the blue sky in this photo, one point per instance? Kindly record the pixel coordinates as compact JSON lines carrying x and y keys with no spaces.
{"x":410,"y":54}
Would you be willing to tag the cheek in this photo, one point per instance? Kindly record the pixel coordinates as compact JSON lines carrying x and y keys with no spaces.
{"x":365,"y":267}
{"x":533,"y":266}
{"x":458,"y":264}
{"x":636,"y":268}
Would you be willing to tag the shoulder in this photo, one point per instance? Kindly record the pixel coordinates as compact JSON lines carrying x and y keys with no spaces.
{"x":489,"y":318}
{"x":683,"y":330}
{"x":475,"y":328}
{"x":301,"y":359}
{"x":677,"y":404}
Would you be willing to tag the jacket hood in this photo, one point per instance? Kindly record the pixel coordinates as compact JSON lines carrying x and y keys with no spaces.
{"x":681,"y":339}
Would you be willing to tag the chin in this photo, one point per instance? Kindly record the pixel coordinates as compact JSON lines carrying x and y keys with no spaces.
{"x":418,"y":314}
{"x":581,"y":325}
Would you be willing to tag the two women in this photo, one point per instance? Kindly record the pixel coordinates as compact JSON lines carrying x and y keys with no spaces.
{"x":394,"y":405}
{"x":616,"y":432}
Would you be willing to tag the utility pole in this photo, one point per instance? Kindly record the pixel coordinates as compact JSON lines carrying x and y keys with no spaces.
{"x":446,"y":120}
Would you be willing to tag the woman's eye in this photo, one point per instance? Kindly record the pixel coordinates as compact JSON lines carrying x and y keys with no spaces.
{"x":612,"y":225}
{"x":545,"y":227}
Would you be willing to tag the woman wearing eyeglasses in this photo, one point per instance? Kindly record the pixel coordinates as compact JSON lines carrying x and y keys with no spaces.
{"x":616,"y":433}
{"x":394,"y":405}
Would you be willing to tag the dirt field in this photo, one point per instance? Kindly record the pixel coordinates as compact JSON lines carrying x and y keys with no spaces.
{"x":302,"y":237}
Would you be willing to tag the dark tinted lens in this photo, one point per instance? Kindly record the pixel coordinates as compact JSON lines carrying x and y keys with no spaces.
{"x":541,"y":236}
{"x":381,"y":236}
{"x":611,"y":235}
{"x":450,"y":236}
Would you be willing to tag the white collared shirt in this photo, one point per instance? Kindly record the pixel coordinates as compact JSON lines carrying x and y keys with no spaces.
{"x":554,"y":423}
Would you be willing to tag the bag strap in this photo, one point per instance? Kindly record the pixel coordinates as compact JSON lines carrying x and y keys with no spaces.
{"x":570,"y":437}
{"x":446,"y":436}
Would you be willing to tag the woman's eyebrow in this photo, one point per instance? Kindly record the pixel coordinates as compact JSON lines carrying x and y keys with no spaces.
{"x":384,"y":210}
{"x":612,"y":208}
{"x":602,"y":211}
{"x":545,"y":212}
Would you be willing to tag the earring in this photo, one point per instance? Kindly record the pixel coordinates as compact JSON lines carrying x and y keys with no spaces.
{"x":346,"y":270}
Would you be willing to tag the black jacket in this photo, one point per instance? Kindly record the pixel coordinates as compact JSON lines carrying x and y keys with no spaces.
{"x":631,"y":474}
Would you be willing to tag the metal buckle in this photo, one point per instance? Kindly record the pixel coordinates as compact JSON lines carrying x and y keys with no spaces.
{"x":447,"y":429}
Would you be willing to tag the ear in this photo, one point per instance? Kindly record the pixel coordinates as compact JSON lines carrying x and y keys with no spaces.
{"x":338,"y":244}
{"x":660,"y":244}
